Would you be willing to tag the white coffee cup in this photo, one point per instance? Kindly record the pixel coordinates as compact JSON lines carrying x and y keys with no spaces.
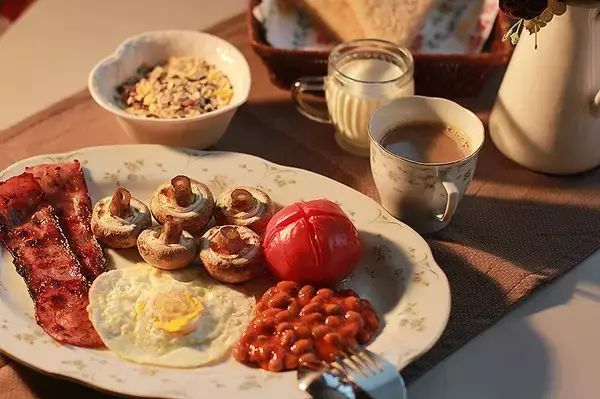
{"x":423,"y":195}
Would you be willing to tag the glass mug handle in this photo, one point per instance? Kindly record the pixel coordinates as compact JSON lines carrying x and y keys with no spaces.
{"x":307,"y":85}
{"x":451,"y":201}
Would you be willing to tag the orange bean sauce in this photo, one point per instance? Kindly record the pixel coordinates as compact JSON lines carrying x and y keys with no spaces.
{"x":301,"y":326}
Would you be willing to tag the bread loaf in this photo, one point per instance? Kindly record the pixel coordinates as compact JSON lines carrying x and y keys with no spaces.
{"x":334,"y":16}
{"x":398,"y":21}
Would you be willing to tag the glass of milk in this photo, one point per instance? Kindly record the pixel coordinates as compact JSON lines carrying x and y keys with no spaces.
{"x":362,"y":75}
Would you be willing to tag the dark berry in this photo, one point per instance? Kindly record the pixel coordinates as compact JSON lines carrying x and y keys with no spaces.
{"x":526,"y":9}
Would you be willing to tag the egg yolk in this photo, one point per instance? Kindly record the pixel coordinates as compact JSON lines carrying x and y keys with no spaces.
{"x":173,"y":311}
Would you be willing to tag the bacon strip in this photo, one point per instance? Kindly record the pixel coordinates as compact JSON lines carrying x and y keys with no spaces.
{"x":65,"y":189}
{"x":30,"y":231}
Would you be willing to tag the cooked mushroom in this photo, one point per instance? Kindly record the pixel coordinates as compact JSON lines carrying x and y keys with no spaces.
{"x":231,"y":254}
{"x":185,"y":199}
{"x":167,"y":247}
{"x":117,"y":221}
{"x":244,"y":206}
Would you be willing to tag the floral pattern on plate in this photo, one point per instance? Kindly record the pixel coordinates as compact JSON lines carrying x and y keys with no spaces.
{"x":397,"y":273}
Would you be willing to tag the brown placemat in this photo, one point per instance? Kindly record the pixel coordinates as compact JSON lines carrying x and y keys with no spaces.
{"x":514,"y":231}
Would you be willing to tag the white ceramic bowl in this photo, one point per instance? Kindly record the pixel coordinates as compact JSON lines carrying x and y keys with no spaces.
{"x":152,"y":48}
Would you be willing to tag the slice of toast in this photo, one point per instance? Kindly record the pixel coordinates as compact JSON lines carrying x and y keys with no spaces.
{"x":333,"y":16}
{"x":398,"y":21}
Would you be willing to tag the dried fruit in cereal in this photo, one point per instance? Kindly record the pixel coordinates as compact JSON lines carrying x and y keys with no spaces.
{"x":180,"y":88}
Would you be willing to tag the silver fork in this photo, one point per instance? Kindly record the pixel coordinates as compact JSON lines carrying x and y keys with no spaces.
{"x":370,"y":372}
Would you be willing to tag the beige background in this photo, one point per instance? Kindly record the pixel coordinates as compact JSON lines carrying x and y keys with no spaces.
{"x":547,"y":348}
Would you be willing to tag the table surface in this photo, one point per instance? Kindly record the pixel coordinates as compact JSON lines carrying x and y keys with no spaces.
{"x":546,"y":348}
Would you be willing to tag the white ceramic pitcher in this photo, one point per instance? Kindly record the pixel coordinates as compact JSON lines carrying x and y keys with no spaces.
{"x":547,"y":115}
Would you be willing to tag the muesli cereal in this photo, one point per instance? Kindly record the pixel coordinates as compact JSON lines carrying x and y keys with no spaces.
{"x":180,"y":88}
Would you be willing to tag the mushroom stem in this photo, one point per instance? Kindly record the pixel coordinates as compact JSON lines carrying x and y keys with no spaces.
{"x":227,"y":241}
{"x":120,"y":203}
{"x":242,"y":200}
{"x":172,"y":230}
{"x":182,"y":189}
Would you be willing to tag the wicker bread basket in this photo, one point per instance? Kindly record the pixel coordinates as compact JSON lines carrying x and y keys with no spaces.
{"x":459,"y":75}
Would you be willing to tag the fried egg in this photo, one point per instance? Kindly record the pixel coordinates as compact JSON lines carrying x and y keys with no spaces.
{"x":174,"y":319}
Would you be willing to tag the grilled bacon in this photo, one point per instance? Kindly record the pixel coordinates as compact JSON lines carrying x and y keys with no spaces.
{"x":64,"y":187}
{"x":29,"y":229}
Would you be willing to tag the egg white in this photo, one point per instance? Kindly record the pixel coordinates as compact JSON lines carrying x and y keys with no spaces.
{"x":123,"y":309}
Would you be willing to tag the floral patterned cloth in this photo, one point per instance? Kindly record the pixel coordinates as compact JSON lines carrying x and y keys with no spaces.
{"x":451,"y":27}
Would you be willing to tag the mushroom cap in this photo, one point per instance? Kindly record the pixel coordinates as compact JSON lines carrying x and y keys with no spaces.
{"x":166,"y":256}
{"x":256,"y":219}
{"x":194,"y":217}
{"x":234,"y":268}
{"x":116,"y":232}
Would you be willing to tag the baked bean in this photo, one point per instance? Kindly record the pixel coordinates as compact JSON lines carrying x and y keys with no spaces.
{"x":283,"y":315}
{"x":261,"y":339}
{"x":265,"y":326}
{"x":352,"y":303}
{"x":311,"y":308}
{"x":269,"y":293}
{"x":333,"y":309}
{"x":276,"y":363}
{"x":334,"y":321}
{"x":309,"y":360}
{"x":294,"y":307}
{"x":364,"y":336}
{"x":314,"y":318}
{"x":349,"y":330}
{"x":288,"y":287}
{"x":333,"y":339}
{"x":320,"y":330}
{"x":302,"y":330}
{"x":326,"y":293}
{"x":290,"y":361}
{"x":254,"y":355}
{"x":280,"y":300}
{"x":250,"y":334}
{"x":283,"y":326}
{"x":260,"y":306}
{"x":268,"y":313}
{"x":240,"y":352}
{"x":262,"y":352}
{"x":366,"y":304}
{"x":351,"y":343}
{"x":353,"y":316}
{"x":371,"y":319}
{"x":302,"y":346}
{"x":318,"y":299}
{"x":305,"y":294}
{"x":288,"y":337}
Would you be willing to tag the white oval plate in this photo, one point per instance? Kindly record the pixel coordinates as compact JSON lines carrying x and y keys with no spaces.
{"x":397,"y":273}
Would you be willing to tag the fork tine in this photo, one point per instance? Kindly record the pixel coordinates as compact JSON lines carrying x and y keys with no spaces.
{"x":358,"y":365}
{"x":357,"y":355}
{"x":368,"y":356}
{"x":340,"y":361}
{"x":337,"y":369}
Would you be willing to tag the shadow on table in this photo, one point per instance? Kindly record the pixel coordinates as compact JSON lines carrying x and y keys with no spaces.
{"x":534,"y":240}
{"x":520,"y":369}
{"x":479,"y":302}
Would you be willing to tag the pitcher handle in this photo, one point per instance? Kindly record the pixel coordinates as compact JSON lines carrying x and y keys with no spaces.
{"x":596,"y":105}
{"x":310,"y":84}
{"x":451,"y":201}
